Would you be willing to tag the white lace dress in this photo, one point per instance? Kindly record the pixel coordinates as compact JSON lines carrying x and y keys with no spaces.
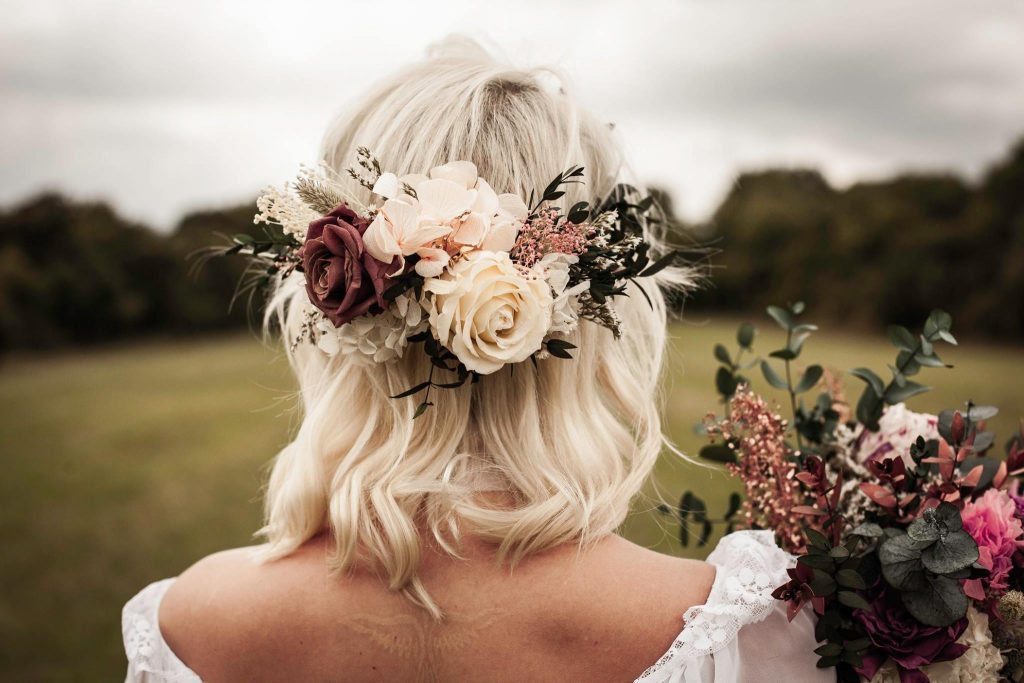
{"x":740,"y":635}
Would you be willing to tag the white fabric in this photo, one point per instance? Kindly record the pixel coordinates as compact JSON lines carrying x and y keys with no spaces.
{"x":740,"y":635}
{"x":150,"y":660}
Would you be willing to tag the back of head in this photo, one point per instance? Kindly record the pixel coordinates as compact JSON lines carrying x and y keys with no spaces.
{"x":529,"y":457}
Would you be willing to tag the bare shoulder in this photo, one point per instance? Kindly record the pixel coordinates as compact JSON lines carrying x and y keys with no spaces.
{"x":226,"y":610}
{"x":624,"y":605}
{"x":602,"y":613}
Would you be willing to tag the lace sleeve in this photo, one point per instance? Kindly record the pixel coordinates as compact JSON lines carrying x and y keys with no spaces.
{"x":150,"y":660}
{"x":741,"y":629}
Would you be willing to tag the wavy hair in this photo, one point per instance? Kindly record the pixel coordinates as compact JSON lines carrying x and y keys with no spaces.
{"x":526,"y":459}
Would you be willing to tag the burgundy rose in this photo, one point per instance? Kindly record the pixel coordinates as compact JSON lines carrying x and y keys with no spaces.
{"x":908,"y":642}
{"x":342,"y":279}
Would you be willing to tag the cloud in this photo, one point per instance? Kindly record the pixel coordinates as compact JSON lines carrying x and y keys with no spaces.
{"x":165,"y":107}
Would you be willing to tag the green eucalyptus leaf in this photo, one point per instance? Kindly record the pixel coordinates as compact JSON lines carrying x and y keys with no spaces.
{"x":899,"y":394}
{"x":722,"y":354}
{"x":745,"y":335}
{"x":873,"y":380}
{"x":782,"y":317}
{"x":718,"y":453}
{"x":951,"y":553}
{"x":977,"y":413}
{"x":901,"y":337}
{"x":725,"y":382}
{"x":772,"y":377}
{"x":940,"y":602}
{"x":868,"y":530}
{"x":900,"y":557}
{"x":811,"y":377}
{"x":989,"y":468}
{"x":930,"y":361}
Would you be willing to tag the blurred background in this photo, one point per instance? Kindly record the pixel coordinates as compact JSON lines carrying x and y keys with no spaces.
{"x":866,"y":158}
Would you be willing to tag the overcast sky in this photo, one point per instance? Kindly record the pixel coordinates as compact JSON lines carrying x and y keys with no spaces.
{"x":163,"y":107}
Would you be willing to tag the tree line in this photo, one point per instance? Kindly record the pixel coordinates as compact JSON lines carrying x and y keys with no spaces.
{"x":76,"y":273}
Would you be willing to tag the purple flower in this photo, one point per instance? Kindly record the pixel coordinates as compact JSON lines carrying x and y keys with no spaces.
{"x":342,"y":279}
{"x":896,"y":635}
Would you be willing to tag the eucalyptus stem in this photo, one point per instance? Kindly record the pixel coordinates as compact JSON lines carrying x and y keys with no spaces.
{"x":792,"y":394}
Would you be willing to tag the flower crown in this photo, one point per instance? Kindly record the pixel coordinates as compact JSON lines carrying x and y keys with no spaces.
{"x":478,"y":279}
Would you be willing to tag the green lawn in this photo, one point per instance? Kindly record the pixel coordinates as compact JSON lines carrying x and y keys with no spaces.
{"x":125,"y":465}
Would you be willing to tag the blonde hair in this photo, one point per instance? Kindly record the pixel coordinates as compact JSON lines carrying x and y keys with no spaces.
{"x":527,"y":458}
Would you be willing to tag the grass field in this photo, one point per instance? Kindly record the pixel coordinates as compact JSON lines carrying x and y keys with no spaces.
{"x":124,"y":465}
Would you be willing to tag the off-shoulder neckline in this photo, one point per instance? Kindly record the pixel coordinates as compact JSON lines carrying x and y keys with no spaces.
{"x":744,"y":564}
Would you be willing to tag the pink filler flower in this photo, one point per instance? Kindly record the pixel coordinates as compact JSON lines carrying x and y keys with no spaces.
{"x":992,"y":522}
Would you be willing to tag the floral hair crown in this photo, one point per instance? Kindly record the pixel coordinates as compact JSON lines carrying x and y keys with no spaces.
{"x":478,"y":279}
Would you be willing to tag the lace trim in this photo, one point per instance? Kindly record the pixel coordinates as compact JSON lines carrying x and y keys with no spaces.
{"x":149,"y":657}
{"x":750,"y":565}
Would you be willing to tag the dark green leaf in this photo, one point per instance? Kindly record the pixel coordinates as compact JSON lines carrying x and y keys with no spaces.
{"x":990,"y":467}
{"x":897,"y":394}
{"x":718,"y":453}
{"x":810,"y":379}
{"x":735,"y":500}
{"x":659,"y":265}
{"x":745,"y":335}
{"x":725,"y":382}
{"x":873,"y":380}
{"x":559,"y":348}
{"x":857,"y":645}
{"x":772,"y":377}
{"x":782,"y":317}
{"x":840,"y":552}
{"x":851,"y":599}
{"x":978,"y":413}
{"x":722,"y":354}
{"x":901,"y":337}
{"x":951,"y":553}
{"x":829,"y":650}
{"x":868,"y":530}
{"x":816,"y":539}
{"x":848,"y":578}
{"x":823,"y":562}
{"x":822,"y":584}
{"x":414,"y":390}
{"x":939,"y":603}
{"x":900,"y":557}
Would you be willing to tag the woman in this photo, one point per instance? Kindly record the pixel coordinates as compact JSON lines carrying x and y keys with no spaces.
{"x":470,"y":536}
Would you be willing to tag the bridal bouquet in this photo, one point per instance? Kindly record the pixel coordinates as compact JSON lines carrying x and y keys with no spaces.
{"x":479,"y":279}
{"x":907,"y":528}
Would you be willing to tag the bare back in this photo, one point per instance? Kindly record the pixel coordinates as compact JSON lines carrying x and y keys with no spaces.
{"x":604,"y":614}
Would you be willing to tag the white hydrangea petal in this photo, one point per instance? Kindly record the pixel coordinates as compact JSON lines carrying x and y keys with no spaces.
{"x":387,"y":186}
{"x":460,"y":172}
{"x":443,"y":200}
{"x":513,"y":205}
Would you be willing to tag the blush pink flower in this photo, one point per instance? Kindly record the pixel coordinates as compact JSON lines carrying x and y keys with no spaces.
{"x":992,"y":522}
{"x":897,"y":430}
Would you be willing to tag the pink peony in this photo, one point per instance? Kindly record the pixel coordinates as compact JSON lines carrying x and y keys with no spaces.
{"x":992,"y":521}
{"x":898,"y":428}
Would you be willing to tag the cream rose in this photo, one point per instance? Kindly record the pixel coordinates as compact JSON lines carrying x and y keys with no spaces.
{"x":487,"y":313}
